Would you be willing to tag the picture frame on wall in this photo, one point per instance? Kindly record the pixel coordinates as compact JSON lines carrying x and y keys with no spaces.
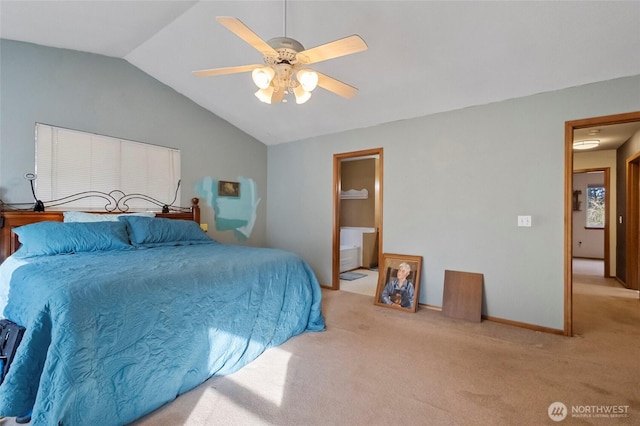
{"x":399,"y":282}
{"x":228,"y":189}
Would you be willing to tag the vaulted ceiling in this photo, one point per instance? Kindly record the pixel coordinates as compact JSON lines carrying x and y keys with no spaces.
{"x":423,"y":57}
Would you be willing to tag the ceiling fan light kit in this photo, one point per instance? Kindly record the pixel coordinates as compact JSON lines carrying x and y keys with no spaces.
{"x":308,"y":79}
{"x":284,"y":60}
{"x":301,"y":95}
{"x":262,"y":76}
{"x":265,"y":94}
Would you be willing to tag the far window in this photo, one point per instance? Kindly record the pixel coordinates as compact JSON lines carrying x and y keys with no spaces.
{"x":595,"y":206}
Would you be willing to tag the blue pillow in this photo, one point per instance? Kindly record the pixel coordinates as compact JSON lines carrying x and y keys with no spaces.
{"x":48,"y":238}
{"x":72,"y":216}
{"x":154,"y":232}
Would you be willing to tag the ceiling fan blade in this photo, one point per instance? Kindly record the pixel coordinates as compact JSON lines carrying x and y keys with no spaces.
{"x":334,"y":49}
{"x":336,"y":86}
{"x":229,"y":70}
{"x":241,"y":30}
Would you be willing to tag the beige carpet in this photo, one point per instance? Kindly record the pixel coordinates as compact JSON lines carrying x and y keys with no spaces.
{"x":377,"y":366}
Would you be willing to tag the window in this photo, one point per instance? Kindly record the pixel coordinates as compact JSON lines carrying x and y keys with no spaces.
{"x":595,"y":206}
{"x":70,"y":161}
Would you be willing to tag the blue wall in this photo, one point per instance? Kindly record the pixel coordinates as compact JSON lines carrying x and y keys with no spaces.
{"x":453,"y":186}
{"x":109,"y":96}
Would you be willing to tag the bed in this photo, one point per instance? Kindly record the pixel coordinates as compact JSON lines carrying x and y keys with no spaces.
{"x":120,"y":324}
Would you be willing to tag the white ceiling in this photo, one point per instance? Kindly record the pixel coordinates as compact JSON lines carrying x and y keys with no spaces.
{"x":610,"y":137}
{"x":424,"y":57}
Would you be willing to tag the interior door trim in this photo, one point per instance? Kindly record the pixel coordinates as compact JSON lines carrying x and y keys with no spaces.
{"x":337,"y":185}
{"x":569,"y":127}
{"x":633,"y":222}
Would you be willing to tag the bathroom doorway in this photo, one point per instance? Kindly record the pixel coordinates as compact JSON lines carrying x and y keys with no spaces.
{"x":363,"y":245}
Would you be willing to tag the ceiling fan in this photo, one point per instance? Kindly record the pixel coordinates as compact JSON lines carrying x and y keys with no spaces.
{"x":285,"y":60}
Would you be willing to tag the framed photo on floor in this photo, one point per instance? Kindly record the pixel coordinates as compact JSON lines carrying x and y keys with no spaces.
{"x":399,"y":282}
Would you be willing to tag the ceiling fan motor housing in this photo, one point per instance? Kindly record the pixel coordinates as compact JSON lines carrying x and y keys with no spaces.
{"x":287,"y":49}
{"x":285,"y":63}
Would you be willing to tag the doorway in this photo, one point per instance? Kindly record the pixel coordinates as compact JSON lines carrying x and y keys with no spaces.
{"x":631,"y":263}
{"x":338,"y":159}
{"x":591,"y":228}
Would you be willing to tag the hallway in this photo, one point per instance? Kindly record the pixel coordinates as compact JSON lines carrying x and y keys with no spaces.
{"x":602,"y":305}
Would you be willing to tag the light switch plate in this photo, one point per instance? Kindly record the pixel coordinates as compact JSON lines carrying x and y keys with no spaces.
{"x":524,"y":221}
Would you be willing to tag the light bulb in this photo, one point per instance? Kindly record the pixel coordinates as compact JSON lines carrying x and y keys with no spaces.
{"x":308,"y":79}
{"x":262,"y":76}
{"x":302,"y":95}
{"x":265,"y":94}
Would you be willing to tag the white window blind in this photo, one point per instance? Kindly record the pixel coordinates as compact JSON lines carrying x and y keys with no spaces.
{"x":70,"y":161}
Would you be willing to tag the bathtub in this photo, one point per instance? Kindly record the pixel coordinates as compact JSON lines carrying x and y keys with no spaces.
{"x":352,"y":237}
{"x":349,"y":258}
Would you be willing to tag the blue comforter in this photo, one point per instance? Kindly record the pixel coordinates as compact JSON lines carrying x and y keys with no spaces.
{"x":114,"y":335}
